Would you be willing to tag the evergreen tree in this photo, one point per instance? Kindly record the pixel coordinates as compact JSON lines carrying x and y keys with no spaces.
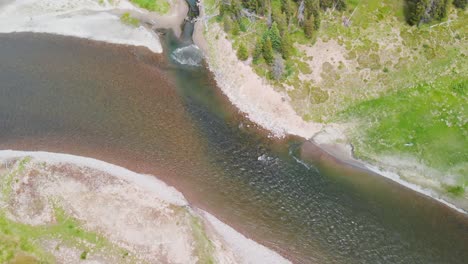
{"x":258,"y":51}
{"x":415,"y":11}
{"x":242,"y":52}
{"x":437,"y":11}
{"x":268,"y":51}
{"x":309,"y":27}
{"x":423,"y":11}
{"x":287,"y":47}
{"x":281,"y":21}
{"x":460,"y":3}
{"x":275,"y":37}
{"x":289,"y":8}
{"x":317,"y":20}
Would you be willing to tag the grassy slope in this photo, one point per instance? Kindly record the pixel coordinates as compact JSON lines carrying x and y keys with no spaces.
{"x":412,"y":100}
{"x":403,"y":87}
{"x":416,"y":107}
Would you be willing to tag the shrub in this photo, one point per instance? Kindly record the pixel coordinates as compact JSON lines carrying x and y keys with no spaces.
{"x":242,"y":52}
{"x":129,"y":20}
{"x":235,"y":29}
{"x":455,"y":190}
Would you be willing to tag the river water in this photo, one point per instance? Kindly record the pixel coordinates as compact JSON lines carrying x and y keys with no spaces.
{"x":127,"y":106}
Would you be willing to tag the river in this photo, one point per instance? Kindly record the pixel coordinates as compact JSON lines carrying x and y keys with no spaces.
{"x":128,"y":106}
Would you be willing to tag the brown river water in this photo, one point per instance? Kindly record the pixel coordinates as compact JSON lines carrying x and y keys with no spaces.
{"x":127,"y":106}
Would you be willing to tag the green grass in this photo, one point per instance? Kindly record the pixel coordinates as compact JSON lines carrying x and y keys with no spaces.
{"x":17,"y":238}
{"x":159,"y":6}
{"x":203,"y":246}
{"x":455,"y":190}
{"x":129,"y":20}
{"x":427,"y":121}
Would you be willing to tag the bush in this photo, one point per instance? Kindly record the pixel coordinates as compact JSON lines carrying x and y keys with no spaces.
{"x":235,"y":28}
{"x":129,"y":20}
{"x":242,"y":52}
{"x":455,"y":190}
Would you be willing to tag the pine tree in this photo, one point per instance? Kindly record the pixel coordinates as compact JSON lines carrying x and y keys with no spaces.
{"x":258,"y":51}
{"x":415,"y":11}
{"x":275,"y":37}
{"x":309,"y":27}
{"x":268,"y":51}
{"x":281,"y":21}
{"x":242,"y":52}
{"x":460,"y":3}
{"x":317,"y":20}
{"x":286,"y":47}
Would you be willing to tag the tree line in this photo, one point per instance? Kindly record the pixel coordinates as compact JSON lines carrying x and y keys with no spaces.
{"x":425,"y":11}
{"x":274,"y":45}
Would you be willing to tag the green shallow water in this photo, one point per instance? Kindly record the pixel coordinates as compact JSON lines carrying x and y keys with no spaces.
{"x":127,"y":106}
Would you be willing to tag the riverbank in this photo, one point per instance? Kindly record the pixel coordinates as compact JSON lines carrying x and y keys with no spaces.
{"x":271,"y":109}
{"x":95,"y":20}
{"x":45,"y":191}
{"x":252,"y":95}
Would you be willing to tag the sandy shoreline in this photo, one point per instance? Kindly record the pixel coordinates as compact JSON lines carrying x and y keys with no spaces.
{"x":248,"y":92}
{"x":83,"y":185}
{"x":95,"y":20}
{"x":272,"y":111}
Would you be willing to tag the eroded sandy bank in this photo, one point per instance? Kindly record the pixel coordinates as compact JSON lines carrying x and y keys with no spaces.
{"x":134,"y":217}
{"x":91,"y":19}
{"x":252,"y":95}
